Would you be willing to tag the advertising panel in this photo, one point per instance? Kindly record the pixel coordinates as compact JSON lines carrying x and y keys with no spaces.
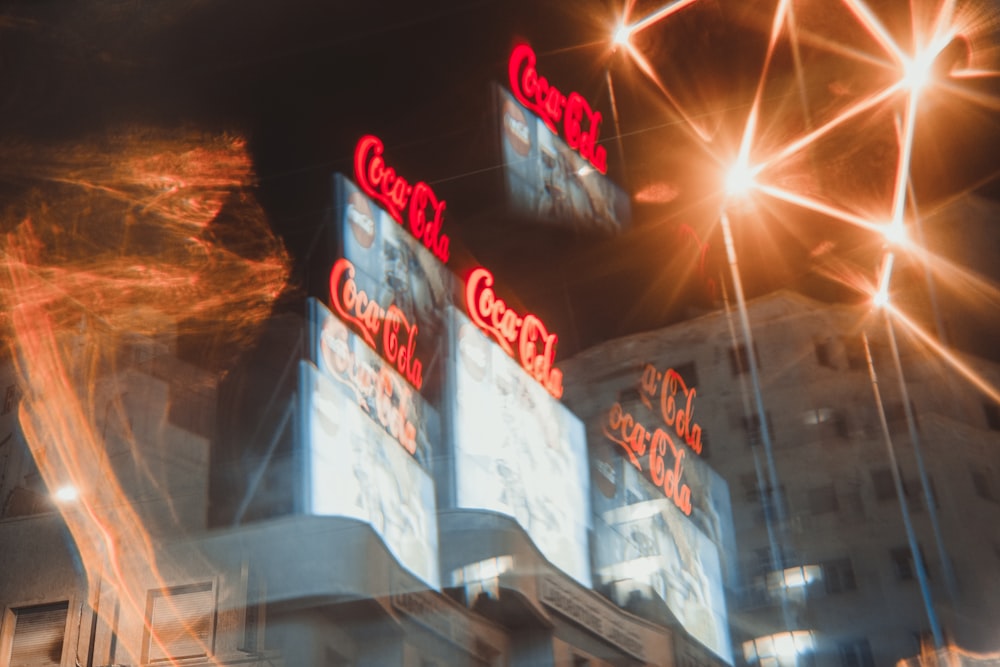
{"x":355,"y":469}
{"x":391,"y":289}
{"x":642,"y":537}
{"x":371,"y":383}
{"x":547,"y":181}
{"x":518,"y":451}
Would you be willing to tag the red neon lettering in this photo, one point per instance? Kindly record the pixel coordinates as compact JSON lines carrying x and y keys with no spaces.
{"x":395,"y":193}
{"x":393,"y":404}
{"x":354,"y":307}
{"x":536,"y":347}
{"x":625,"y":431}
{"x":673,"y":387}
{"x":581,"y":124}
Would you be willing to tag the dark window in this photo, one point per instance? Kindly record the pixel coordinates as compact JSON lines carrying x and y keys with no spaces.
{"x":738,"y":361}
{"x":181,"y":618}
{"x":10,"y":397}
{"x":823,"y":356}
{"x":903,"y":565}
{"x":992,"y":412}
{"x":854,"y":350}
{"x":838,"y":576}
{"x":689,"y":373}
{"x":751,"y":425}
{"x":38,"y":634}
{"x":981,"y":483}
{"x":628,"y":396}
{"x":823,"y":500}
{"x":857,"y":653}
{"x":885,"y":487}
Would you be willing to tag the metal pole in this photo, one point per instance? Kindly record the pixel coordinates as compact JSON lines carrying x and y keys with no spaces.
{"x":765,"y":432}
{"x":911,"y":425}
{"x":918,"y":561}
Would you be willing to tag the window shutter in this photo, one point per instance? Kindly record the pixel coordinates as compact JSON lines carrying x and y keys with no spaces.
{"x":38,"y":635}
{"x":181,"y":622}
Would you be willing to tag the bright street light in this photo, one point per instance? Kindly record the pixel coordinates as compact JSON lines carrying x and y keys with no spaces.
{"x":739,"y":179}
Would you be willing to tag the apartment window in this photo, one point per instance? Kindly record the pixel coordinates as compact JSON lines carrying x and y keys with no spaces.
{"x":181,"y":621}
{"x":823,"y":500}
{"x":854,"y":350}
{"x":739,"y":363}
{"x":981,"y":483}
{"x":838,"y":576}
{"x":885,"y":486}
{"x":857,"y":653}
{"x":689,"y":373}
{"x":992,"y":412}
{"x":823,"y":353}
{"x":752,"y":427}
{"x":38,"y":635}
{"x":9,"y":398}
{"x":903,"y":565}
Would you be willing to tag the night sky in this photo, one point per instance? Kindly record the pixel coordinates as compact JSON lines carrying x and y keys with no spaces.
{"x":302,"y":81}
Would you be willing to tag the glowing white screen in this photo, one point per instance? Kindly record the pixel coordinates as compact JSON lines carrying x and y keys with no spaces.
{"x":356,"y":470}
{"x":520,"y":452}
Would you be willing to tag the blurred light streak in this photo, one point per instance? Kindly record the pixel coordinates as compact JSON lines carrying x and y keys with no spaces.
{"x":856,"y":109}
{"x":648,"y":70}
{"x":875,"y":28}
{"x":819,"y":207}
{"x":945,"y":354}
{"x":885,"y":278}
{"x":126,"y":238}
{"x":903,"y":166}
{"x":750,"y":127}
{"x":659,"y":14}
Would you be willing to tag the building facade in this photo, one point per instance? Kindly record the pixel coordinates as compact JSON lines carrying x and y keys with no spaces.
{"x":825,"y":566}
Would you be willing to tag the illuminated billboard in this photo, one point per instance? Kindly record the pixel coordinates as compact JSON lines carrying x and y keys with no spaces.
{"x":547,"y":181}
{"x":389,"y":288}
{"x":642,"y":537}
{"x":518,"y":451}
{"x":372,"y":383}
{"x":355,"y":469}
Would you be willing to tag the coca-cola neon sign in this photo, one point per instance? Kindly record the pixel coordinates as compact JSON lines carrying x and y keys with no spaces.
{"x":535,"y":346}
{"x":376,"y":389}
{"x":398,"y":339}
{"x":413,"y":205}
{"x":581,"y":124}
{"x":662,"y":449}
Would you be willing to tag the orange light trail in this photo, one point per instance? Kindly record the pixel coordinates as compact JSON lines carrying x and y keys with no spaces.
{"x":875,"y":29}
{"x":856,"y":109}
{"x":130,"y":242}
{"x":944,"y":353}
{"x":659,"y":15}
{"x":819,"y":207}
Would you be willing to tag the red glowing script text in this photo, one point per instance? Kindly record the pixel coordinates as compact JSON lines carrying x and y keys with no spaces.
{"x":536,"y":347}
{"x":623,"y":429}
{"x":676,"y":403}
{"x":399,"y":337}
{"x":580,"y":124}
{"x":397,"y":195}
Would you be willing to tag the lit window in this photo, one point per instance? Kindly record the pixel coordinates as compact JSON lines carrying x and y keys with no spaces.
{"x":180,"y":621}
{"x":38,"y":635}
